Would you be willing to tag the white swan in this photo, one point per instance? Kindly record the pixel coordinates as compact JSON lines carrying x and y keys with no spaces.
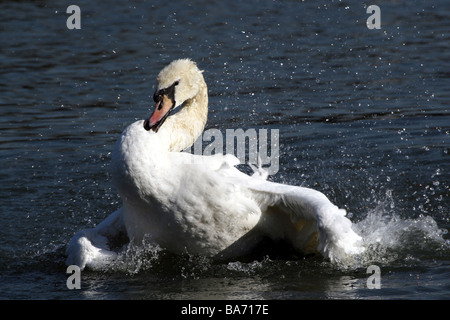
{"x":202,"y":204}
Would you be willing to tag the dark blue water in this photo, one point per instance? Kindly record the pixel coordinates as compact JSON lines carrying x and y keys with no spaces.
{"x":363,"y":116}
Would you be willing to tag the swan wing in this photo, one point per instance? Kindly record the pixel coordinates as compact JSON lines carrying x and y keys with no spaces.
{"x":303,"y":216}
{"x":91,"y":247}
{"x":307,"y":218}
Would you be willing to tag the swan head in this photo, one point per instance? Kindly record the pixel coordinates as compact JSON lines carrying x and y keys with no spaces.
{"x":177,"y":82}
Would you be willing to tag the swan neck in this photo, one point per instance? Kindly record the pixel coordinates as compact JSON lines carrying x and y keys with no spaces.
{"x":188,"y":124}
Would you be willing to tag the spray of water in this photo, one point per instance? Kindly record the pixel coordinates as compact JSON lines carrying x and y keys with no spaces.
{"x":388,"y":240}
{"x":134,"y":258}
{"x":392,"y":240}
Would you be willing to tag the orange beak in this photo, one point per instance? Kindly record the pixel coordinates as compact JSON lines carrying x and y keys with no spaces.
{"x":160,"y":114}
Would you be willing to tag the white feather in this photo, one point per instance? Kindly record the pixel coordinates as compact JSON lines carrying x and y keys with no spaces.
{"x":203,"y":204}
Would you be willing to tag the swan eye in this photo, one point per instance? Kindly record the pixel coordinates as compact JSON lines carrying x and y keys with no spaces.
{"x":169,"y":91}
{"x":157,"y":97}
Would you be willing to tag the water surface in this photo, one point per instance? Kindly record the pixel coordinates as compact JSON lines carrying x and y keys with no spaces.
{"x":363,"y":116}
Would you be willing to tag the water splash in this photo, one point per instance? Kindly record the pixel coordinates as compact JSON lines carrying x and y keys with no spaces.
{"x":135,"y":258}
{"x":246,"y":268}
{"x":392,"y":240}
{"x":388,"y":239}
